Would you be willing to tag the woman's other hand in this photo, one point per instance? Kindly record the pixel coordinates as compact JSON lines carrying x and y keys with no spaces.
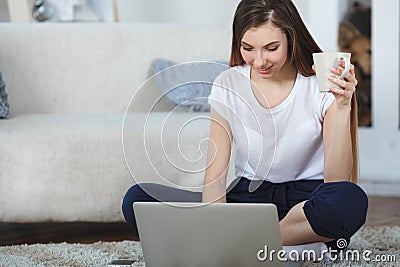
{"x":348,"y":84}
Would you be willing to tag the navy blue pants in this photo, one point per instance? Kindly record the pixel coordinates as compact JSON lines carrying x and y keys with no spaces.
{"x":334,"y":210}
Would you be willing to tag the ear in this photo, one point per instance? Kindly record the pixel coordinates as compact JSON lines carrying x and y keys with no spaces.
{"x":347,"y":33}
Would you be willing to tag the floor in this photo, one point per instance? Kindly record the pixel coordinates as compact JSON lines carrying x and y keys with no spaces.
{"x":382,"y":211}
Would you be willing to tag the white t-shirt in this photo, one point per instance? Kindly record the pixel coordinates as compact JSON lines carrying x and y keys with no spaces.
{"x":279,"y":144}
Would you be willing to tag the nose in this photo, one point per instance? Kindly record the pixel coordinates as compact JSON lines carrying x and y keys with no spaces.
{"x":259,"y":59}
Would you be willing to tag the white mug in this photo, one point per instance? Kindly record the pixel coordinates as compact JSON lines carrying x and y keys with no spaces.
{"x":323,"y":63}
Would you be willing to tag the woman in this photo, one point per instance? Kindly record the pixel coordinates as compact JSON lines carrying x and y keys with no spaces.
{"x":296,"y":147}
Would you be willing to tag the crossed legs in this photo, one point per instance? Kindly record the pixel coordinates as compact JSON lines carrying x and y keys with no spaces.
{"x":295,"y":228}
{"x":332,"y":210}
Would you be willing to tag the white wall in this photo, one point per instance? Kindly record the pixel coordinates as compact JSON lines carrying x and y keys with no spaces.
{"x":103,"y":8}
{"x":380,"y":146}
{"x":322,"y":18}
{"x":323,"y":25}
{"x":19,"y":11}
{"x":205,"y":12}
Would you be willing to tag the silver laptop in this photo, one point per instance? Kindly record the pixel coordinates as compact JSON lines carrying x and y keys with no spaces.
{"x":208,"y":235}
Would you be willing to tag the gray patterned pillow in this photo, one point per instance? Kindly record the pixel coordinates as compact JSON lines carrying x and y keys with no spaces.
{"x":4,"y":107}
{"x":187,"y":85}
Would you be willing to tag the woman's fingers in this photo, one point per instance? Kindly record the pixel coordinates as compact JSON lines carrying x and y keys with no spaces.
{"x":341,"y":92}
{"x":349,"y":78}
{"x":347,"y":85}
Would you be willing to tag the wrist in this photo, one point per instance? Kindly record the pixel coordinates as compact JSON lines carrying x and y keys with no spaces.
{"x":343,"y":108}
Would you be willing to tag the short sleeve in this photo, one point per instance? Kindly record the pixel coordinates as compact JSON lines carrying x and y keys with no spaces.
{"x":326,"y":102}
{"x":218,"y":98}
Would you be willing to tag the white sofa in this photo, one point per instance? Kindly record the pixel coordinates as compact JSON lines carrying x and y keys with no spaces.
{"x":69,"y":85}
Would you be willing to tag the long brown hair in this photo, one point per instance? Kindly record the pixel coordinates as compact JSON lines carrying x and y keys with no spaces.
{"x":301,"y":45}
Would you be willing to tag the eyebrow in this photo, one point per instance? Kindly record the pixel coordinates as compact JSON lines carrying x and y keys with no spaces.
{"x":271,"y":43}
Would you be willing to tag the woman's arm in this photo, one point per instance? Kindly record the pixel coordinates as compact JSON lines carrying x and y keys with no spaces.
{"x":338,"y":154}
{"x":218,"y":156}
{"x":337,"y":144}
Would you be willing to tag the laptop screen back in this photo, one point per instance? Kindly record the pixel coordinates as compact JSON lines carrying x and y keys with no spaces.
{"x":217,"y":234}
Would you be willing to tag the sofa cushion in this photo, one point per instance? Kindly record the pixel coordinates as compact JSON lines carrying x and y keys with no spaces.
{"x":187,"y":85}
{"x":73,"y":167}
{"x":4,"y":106}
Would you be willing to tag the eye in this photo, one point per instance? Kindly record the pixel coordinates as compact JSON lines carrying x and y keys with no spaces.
{"x":247,"y":48}
{"x":272,"y":49}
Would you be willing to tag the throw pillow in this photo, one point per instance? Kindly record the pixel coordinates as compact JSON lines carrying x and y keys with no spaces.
{"x":4,"y":107}
{"x":187,"y":85}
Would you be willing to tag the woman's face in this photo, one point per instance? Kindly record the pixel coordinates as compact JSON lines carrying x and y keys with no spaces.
{"x":264,"y":49}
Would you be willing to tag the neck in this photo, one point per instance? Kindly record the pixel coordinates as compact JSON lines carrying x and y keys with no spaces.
{"x":286,"y":74}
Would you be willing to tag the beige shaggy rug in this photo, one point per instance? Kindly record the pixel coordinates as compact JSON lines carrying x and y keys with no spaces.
{"x":382,"y":242}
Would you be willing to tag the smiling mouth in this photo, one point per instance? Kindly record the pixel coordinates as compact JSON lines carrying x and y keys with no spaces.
{"x":263,"y":70}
